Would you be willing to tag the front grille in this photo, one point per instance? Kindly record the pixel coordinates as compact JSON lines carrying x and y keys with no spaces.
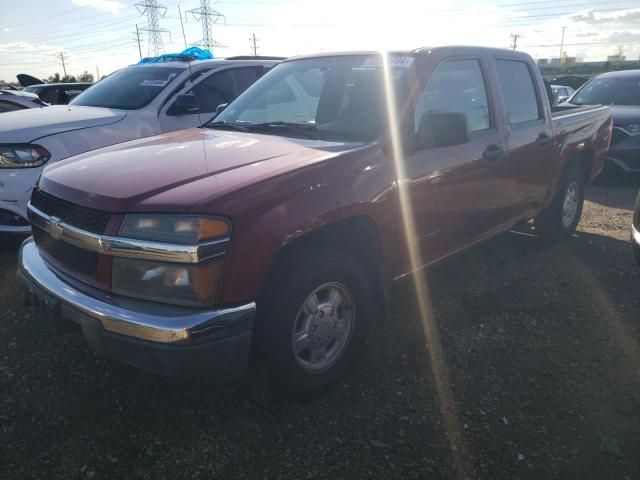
{"x":68,"y":256}
{"x":83,"y":218}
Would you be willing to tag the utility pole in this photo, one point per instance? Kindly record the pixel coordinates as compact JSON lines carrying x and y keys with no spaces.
{"x":153,"y":10}
{"x":562,"y":44}
{"x":184,"y":37}
{"x":208,"y":17}
{"x":64,"y":68}
{"x":97,"y":73}
{"x":514,"y":40}
{"x":254,"y":44}
{"x":138,"y":40}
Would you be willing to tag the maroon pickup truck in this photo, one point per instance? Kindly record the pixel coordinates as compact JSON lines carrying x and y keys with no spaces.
{"x":273,"y":231}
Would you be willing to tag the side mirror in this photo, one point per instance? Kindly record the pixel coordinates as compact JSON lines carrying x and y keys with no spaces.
{"x":184,"y":104}
{"x":562,"y":98}
{"x":442,"y":129}
{"x":221,"y":107}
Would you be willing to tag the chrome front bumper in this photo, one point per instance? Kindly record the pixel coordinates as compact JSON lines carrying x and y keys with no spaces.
{"x":132,"y":318}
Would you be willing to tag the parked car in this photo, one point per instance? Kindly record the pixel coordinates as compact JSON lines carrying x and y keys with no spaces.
{"x":621,"y":91}
{"x":58,"y":93}
{"x":635,"y":231}
{"x":12,"y":100}
{"x":135,"y":102}
{"x":277,"y":227}
{"x":561,"y":93}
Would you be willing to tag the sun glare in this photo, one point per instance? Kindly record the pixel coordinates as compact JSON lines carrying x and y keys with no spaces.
{"x":446,"y":402}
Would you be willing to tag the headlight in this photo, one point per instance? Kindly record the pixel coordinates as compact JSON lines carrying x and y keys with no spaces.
{"x":183,"y":229}
{"x":179,"y":284}
{"x":188,"y":285}
{"x":23,"y":156}
{"x":632,"y":128}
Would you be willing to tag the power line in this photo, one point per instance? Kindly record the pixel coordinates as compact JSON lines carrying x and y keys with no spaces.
{"x":153,"y":10}
{"x":207,"y":17}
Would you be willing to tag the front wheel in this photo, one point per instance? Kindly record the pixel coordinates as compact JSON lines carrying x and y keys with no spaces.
{"x":316,"y":322}
{"x":560,"y":219}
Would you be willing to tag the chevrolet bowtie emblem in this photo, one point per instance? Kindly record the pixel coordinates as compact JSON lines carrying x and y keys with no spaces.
{"x":55,"y":228}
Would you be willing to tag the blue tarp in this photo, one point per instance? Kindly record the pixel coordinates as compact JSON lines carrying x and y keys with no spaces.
{"x":188,"y":55}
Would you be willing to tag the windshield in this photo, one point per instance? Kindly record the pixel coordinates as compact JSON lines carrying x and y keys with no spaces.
{"x":609,"y":91}
{"x":128,"y":89}
{"x":338,"y":98}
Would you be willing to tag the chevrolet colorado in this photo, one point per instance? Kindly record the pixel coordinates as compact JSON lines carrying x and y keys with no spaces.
{"x":275,"y":229}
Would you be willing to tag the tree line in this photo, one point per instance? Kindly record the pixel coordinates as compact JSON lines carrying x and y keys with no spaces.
{"x":83,"y":77}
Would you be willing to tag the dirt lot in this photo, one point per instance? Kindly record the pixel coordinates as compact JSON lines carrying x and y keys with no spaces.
{"x":533,"y":372}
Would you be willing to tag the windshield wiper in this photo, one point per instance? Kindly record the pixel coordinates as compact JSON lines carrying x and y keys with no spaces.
{"x":305,"y":129}
{"x":226,"y":126}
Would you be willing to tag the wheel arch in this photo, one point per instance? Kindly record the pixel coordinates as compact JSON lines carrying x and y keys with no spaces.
{"x":356,"y":235}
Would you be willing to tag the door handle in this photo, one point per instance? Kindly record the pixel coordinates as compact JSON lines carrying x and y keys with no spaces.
{"x":493,"y":152}
{"x":543,"y":140}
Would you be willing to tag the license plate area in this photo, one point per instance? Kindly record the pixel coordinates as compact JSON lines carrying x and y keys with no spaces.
{"x":48,"y":311}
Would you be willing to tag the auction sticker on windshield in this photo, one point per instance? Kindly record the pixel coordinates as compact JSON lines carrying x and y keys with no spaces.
{"x":154,"y":83}
{"x":393,"y":61}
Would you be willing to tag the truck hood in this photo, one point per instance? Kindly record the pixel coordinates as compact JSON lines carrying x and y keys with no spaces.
{"x":625,"y":114}
{"x":178,"y":170}
{"x":25,"y":126}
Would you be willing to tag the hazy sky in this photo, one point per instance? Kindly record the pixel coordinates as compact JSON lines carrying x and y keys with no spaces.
{"x":100,"y":33}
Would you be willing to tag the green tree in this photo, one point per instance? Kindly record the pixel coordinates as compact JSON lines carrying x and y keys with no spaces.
{"x":85,"y":77}
{"x":55,"y":78}
{"x":68,"y":79}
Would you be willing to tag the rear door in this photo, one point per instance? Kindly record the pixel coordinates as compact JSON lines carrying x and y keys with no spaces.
{"x":531,"y":154}
{"x":453,"y":189}
{"x":212,"y":89}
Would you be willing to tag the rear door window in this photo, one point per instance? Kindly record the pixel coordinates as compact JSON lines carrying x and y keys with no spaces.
{"x":518,"y":90}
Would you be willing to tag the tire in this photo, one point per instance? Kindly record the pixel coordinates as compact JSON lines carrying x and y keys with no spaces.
{"x":636,"y":254}
{"x":560,"y":219}
{"x":288,"y":313}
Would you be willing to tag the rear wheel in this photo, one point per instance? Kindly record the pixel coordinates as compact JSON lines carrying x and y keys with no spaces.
{"x":316,"y":322}
{"x":560,"y":219}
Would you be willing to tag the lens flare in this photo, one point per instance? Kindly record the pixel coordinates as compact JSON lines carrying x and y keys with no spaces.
{"x":459,"y":449}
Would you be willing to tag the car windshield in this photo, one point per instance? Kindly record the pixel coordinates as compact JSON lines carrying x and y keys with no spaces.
{"x":335,"y":98}
{"x":128,"y":89}
{"x":609,"y":91}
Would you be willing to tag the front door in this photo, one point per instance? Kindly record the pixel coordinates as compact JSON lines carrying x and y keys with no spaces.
{"x":453,"y":189}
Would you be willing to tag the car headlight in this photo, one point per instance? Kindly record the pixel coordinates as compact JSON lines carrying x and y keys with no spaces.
{"x":182,"y":229}
{"x":23,"y":156}
{"x":192,"y":285}
{"x":632,"y":128}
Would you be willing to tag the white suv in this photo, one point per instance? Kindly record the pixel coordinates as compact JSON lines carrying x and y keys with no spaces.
{"x":134,"y":102}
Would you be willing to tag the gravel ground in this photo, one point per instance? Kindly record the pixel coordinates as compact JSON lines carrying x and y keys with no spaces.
{"x":533,"y":371}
